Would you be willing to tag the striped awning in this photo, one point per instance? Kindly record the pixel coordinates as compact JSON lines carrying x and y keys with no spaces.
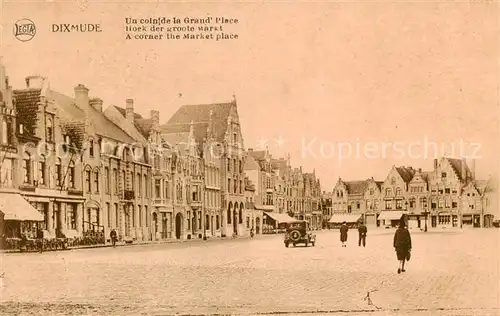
{"x":391,"y":215}
{"x":16,"y":208}
{"x":348,"y":218}
{"x":280,"y":217}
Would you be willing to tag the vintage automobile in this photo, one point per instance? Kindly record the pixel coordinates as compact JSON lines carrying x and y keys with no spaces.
{"x":298,"y":232}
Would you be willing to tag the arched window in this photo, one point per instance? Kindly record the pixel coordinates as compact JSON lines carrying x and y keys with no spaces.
{"x":50,"y":130}
{"x":387,"y":192}
{"x":398,"y":192}
{"x":240,"y":215}
{"x":27,"y":167}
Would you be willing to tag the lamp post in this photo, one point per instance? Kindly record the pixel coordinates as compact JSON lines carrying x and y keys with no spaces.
{"x":406,"y":212}
{"x":426,"y":212}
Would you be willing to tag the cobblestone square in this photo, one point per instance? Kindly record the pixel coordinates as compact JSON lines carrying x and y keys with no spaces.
{"x":450,"y":273}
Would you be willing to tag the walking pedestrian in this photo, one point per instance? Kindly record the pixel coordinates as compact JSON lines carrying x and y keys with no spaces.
{"x":402,"y":245}
{"x":343,"y":233}
{"x":362,"y":230}
{"x":113,"y":237}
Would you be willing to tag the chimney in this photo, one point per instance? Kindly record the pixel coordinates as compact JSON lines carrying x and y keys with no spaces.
{"x":473,"y":169}
{"x":96,"y":103}
{"x":34,"y":82}
{"x":155,"y":118}
{"x":81,"y":96}
{"x":129,"y":110}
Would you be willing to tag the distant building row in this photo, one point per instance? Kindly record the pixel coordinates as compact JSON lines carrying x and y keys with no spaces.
{"x":82,"y":170}
{"x":448,"y":196}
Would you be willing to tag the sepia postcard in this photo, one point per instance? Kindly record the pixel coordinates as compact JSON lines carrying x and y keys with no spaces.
{"x":249,"y":157}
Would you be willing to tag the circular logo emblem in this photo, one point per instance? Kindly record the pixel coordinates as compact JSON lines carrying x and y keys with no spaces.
{"x":24,"y":30}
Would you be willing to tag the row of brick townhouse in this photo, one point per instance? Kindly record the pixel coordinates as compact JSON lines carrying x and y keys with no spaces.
{"x":282,"y":193}
{"x":78,"y":170}
{"x":447,"y":196}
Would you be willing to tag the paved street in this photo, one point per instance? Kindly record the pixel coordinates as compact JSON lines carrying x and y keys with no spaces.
{"x":450,"y":273}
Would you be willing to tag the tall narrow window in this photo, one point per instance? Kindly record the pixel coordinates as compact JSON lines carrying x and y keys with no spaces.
{"x":108,"y":214}
{"x":139,"y":184}
{"x":91,"y":148}
{"x":27,"y":168}
{"x":106,"y":180}
{"x":71,"y":173}
{"x":58,"y":174}
{"x":88,"y":183}
{"x":116,"y":181}
{"x":96,"y":181}
{"x":147,"y":215}
{"x":140,"y":216}
{"x":157,"y":188}
{"x":41,"y":170}
{"x":50,"y":130}
{"x":117,"y":216}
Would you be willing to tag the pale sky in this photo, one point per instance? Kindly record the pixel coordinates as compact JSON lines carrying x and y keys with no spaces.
{"x":354,"y":72}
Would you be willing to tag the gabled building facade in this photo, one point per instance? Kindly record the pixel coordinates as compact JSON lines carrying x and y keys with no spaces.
{"x":446,"y":183}
{"x":221,"y":123}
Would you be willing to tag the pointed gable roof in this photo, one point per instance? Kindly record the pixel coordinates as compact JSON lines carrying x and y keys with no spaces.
{"x":406,"y":173}
{"x":457,"y":165}
{"x":143,"y":125}
{"x":356,"y":187}
{"x":200,"y":114}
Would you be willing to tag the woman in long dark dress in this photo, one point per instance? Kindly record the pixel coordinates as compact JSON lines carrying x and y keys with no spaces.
{"x":402,"y":244}
{"x":343,"y":233}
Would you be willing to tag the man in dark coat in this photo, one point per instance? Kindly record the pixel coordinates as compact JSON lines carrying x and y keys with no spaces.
{"x":113,"y":237}
{"x":362,"y":230}
{"x":343,"y":233}
{"x":402,"y":244}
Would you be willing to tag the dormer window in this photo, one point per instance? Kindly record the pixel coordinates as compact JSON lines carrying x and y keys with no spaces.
{"x":66,"y":139}
{"x":393,"y":181}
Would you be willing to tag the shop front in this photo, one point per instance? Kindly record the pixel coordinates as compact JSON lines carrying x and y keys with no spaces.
{"x":20,"y":221}
{"x":275,"y":222}
{"x":352,"y":220}
{"x":390,"y":218}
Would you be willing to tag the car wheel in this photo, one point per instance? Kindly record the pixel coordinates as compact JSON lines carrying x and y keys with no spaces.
{"x":286,"y":244}
{"x":295,"y":235}
{"x":294,"y":244}
{"x":307,"y":243}
{"x":312,"y":244}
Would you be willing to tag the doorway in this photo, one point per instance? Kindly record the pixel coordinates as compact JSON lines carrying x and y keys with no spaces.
{"x":178,"y":225}
{"x":235,"y":221}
